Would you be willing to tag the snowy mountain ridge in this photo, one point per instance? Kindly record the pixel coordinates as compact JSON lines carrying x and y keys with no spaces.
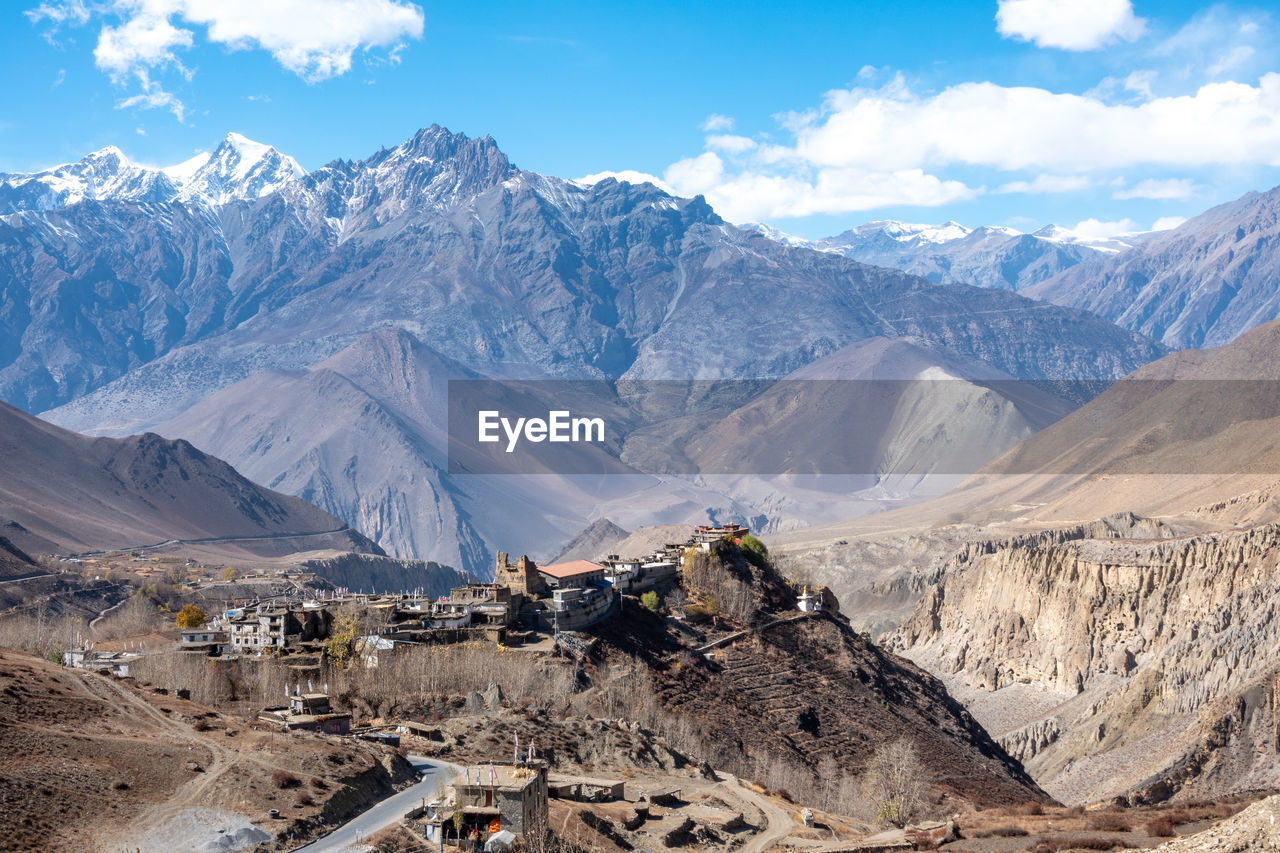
{"x":237,"y":169}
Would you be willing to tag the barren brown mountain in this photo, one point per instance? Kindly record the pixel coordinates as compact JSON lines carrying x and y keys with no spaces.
{"x":69,"y":492}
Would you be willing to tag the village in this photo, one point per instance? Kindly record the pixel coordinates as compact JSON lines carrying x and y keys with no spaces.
{"x":527,"y":608}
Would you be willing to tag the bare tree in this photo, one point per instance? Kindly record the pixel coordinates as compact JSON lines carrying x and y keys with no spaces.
{"x":895,"y":782}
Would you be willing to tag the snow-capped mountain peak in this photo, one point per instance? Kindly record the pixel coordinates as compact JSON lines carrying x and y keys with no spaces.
{"x":103,"y":174}
{"x":905,"y":232}
{"x":1108,"y":244}
{"x":237,"y":169}
{"x":183,"y":172}
{"x":775,"y":234}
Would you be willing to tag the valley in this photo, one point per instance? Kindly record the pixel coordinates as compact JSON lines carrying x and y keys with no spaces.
{"x":913,"y":537}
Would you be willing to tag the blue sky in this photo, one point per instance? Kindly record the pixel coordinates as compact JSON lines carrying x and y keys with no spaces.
{"x":810,"y":116}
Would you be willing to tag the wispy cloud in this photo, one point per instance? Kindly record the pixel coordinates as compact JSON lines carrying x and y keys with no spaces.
{"x":1047,"y":184}
{"x":1166,"y":189}
{"x":717,"y":123}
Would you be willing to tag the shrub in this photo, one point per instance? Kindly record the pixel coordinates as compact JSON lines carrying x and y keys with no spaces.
{"x":201,"y":725}
{"x":1161,"y":827}
{"x":650,"y":601}
{"x":1029,"y":809}
{"x":284,"y":780}
{"x":305,"y":799}
{"x":1002,"y":832}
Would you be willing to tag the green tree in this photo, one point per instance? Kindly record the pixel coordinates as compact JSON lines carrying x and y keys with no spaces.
{"x":754,"y":550}
{"x":650,"y":601}
{"x":190,"y":616}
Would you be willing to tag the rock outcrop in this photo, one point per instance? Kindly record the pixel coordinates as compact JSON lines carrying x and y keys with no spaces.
{"x":1116,"y":666}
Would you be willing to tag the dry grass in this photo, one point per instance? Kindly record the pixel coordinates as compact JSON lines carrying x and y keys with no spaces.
{"x":1054,"y":844}
{"x":1110,"y":822}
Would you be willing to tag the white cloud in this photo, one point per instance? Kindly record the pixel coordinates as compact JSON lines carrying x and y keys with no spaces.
{"x":1167,"y":223}
{"x":145,"y":41}
{"x":1154,"y":188}
{"x":1068,"y":24}
{"x":729,"y":143}
{"x":696,"y":175}
{"x":716,"y":122}
{"x":865,"y":148}
{"x":154,"y":97}
{"x":314,"y":39}
{"x":1047,"y":184}
{"x":1014,"y":128}
{"x":58,"y":12}
{"x":1093,"y":229}
{"x":630,"y":176}
{"x":752,"y":195}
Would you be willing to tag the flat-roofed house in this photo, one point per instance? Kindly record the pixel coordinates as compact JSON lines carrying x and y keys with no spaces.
{"x":497,"y":797}
{"x":573,"y":574}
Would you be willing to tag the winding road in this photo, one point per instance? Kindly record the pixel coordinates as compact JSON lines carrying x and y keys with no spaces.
{"x":353,"y":834}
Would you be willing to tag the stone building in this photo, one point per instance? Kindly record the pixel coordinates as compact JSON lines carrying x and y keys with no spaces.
{"x":522,"y":577}
{"x":496,"y":797}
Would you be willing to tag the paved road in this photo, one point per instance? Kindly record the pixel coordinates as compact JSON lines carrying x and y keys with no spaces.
{"x":350,"y":835}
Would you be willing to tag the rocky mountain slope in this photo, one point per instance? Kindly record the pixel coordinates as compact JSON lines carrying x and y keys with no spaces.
{"x":1255,"y":828}
{"x":800,"y":702}
{"x":127,"y":315}
{"x":1130,"y":656}
{"x":1136,"y":667}
{"x":80,"y":493}
{"x":595,"y":540}
{"x":363,"y":435}
{"x":1201,"y":284}
{"x":1189,"y":439}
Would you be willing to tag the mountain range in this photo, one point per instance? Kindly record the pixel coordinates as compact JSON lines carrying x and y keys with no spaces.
{"x":123,"y":312}
{"x":1201,"y":284}
{"x":986,"y":256}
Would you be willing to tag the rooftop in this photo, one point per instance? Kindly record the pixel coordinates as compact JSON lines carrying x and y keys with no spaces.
{"x":496,"y":776}
{"x":570,"y":569}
